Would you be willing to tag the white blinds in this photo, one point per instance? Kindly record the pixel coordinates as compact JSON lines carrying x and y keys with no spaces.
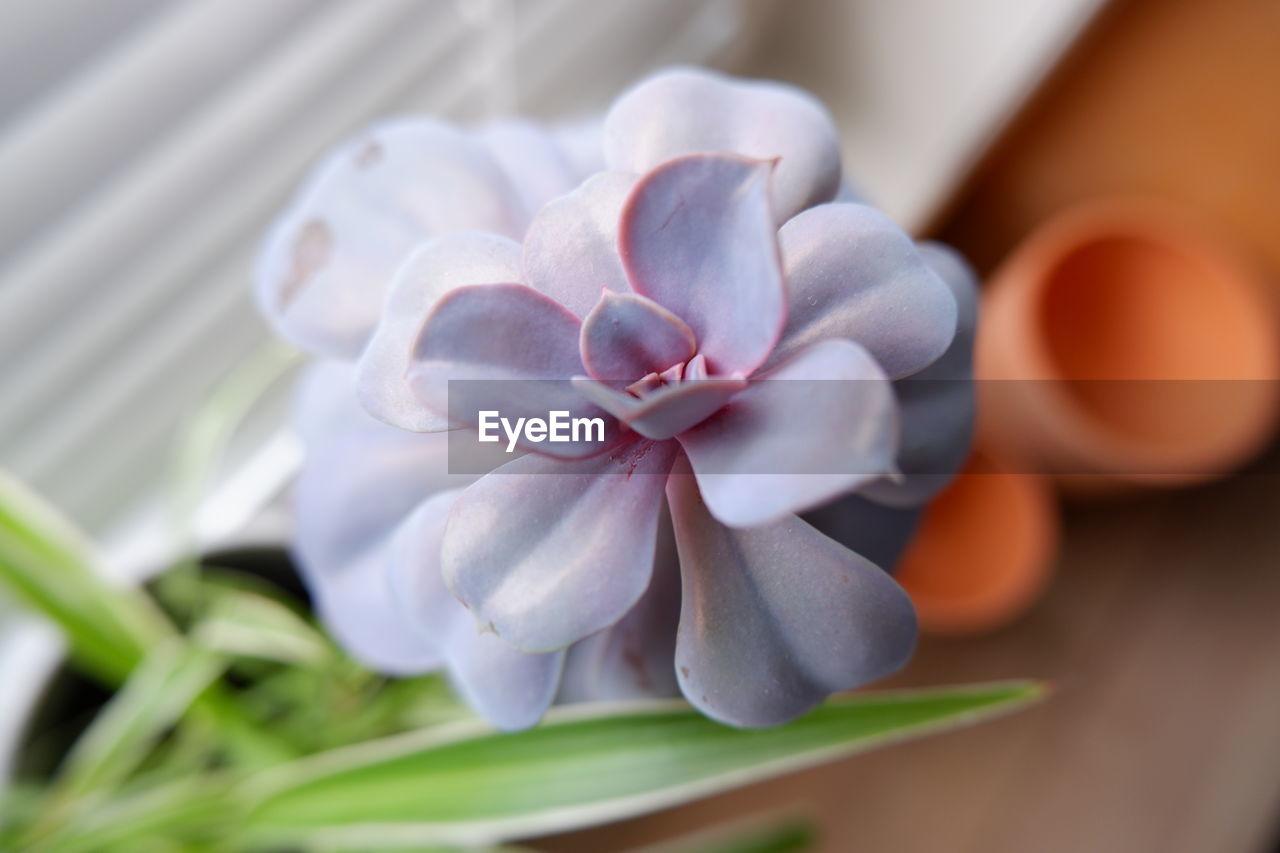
{"x":143,"y":145}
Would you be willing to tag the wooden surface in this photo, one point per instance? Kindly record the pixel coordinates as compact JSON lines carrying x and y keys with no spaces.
{"x":1162,"y":632}
{"x":1162,"y":628}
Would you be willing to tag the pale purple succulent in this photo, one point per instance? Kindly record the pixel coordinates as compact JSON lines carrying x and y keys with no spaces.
{"x":695,"y":293}
{"x":330,"y":256}
{"x":768,"y":617}
{"x":357,"y":501}
{"x":321,"y":280}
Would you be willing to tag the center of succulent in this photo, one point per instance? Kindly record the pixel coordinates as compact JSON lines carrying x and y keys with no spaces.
{"x":683,"y":371}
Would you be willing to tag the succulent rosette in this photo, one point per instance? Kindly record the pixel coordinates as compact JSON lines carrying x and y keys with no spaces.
{"x":756,"y":350}
{"x":663,"y":280}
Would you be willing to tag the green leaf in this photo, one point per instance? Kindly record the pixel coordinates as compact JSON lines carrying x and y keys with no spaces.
{"x":200,"y":449}
{"x":246,"y":624}
{"x":47,"y":565}
{"x":583,"y":766}
{"x":20,"y":802}
{"x":203,"y":440}
{"x":195,"y":808}
{"x":159,"y":692}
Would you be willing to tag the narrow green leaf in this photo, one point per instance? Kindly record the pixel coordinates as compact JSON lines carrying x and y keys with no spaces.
{"x":187,"y":809}
{"x":48,"y":566}
{"x":201,"y":447}
{"x":583,"y":766}
{"x":158,"y":693}
{"x":20,"y":802}
{"x":246,"y":624}
{"x":203,"y":440}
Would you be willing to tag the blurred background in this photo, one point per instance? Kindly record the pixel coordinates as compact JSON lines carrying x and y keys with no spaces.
{"x":144,"y":144}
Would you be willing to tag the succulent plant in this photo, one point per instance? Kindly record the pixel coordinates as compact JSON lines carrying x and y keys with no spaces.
{"x":754,"y":350}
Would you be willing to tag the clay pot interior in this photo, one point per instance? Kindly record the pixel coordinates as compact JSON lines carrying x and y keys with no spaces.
{"x":1160,"y":328}
{"x":1154,"y":346}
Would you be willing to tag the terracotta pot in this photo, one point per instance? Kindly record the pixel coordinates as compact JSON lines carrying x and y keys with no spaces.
{"x":1123,"y":344}
{"x":984,"y":550}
